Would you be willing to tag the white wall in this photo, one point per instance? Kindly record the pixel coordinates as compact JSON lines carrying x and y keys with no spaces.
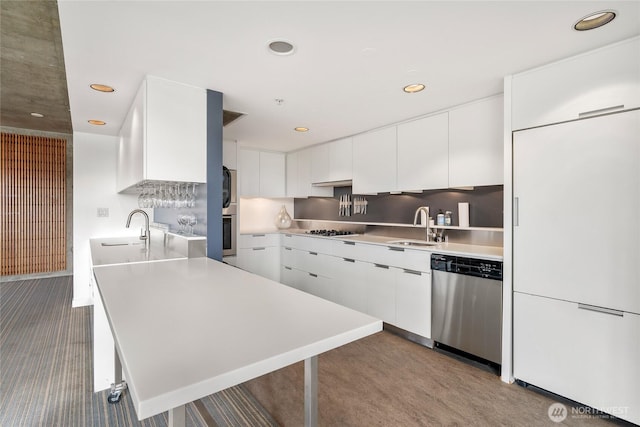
{"x":94,"y":186}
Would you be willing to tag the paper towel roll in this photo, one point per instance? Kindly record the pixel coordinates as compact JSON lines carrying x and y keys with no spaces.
{"x":463,"y":214}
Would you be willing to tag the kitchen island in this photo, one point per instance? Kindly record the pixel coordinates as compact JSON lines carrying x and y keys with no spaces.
{"x":184,"y":329}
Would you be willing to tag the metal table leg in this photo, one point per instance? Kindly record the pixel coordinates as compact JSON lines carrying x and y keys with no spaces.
{"x":118,"y":385}
{"x":311,"y":392}
{"x":178,"y":416}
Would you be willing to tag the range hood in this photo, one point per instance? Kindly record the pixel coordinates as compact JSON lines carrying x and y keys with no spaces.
{"x":343,"y":183}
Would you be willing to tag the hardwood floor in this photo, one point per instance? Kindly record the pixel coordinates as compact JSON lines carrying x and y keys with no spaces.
{"x":385,"y":380}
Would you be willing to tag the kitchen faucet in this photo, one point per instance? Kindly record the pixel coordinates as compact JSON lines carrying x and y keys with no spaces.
{"x":144,"y":234}
{"x":424,"y":209}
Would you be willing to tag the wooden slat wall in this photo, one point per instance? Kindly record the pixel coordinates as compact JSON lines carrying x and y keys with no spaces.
{"x":33,"y":204}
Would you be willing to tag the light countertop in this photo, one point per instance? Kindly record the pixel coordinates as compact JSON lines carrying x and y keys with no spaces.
{"x":461,"y":249}
{"x":188,"y":328}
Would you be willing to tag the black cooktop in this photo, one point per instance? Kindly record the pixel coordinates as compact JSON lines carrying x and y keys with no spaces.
{"x":330,"y":232}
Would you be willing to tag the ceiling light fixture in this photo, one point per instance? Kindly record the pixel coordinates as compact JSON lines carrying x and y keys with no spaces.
{"x":594,"y":20}
{"x":38,"y":115}
{"x":301,"y":129}
{"x":101,"y":88}
{"x":281,"y":47}
{"x":414,"y":88}
{"x":97,"y":122}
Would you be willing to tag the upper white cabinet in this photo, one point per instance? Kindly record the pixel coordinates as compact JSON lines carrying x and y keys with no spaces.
{"x":261,"y":173}
{"x":476,"y":143}
{"x":164,"y":136}
{"x":597,"y":82}
{"x":300,"y":164}
{"x":341,"y":160}
{"x":230,"y":154}
{"x":374,"y":164}
{"x":332,"y":161}
{"x":320,"y":163}
{"x":423,"y":159}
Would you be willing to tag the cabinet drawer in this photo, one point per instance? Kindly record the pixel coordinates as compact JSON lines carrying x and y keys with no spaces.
{"x":288,"y":256}
{"x":588,"y":356}
{"x":258,"y":240}
{"x":397,"y":257}
{"x":314,"y":262}
{"x":345,"y":249}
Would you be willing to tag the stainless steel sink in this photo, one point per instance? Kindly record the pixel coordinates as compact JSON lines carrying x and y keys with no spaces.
{"x":122,"y":243}
{"x":412,"y":243}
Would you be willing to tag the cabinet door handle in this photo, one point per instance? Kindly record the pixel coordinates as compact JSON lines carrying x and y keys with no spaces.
{"x":393,"y":248}
{"x":258,"y":235}
{"x":287,"y":249}
{"x":381,"y":266}
{"x":600,"y":309}
{"x":417,"y":273}
{"x":313,"y":253}
{"x":348,"y":260}
{"x":349,"y":243}
{"x":601,"y":111}
{"x":287,"y":235}
{"x":259,"y":249}
{"x":287,"y":268}
{"x":313,"y":275}
{"x":516,"y":211}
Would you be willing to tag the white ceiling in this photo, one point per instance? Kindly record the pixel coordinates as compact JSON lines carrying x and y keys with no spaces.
{"x":351,"y":61}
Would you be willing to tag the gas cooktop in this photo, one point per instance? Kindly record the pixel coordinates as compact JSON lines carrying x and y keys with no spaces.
{"x":329,"y":233}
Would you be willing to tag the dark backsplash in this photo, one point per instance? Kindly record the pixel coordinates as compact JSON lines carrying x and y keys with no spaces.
{"x":485,"y":206}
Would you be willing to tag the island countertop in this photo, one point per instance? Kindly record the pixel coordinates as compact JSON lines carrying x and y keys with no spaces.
{"x":122,"y":250}
{"x":188,"y":328}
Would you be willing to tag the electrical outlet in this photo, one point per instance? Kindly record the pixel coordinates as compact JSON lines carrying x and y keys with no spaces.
{"x":103,"y":212}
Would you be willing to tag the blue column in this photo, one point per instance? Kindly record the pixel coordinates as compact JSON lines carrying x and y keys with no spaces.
{"x":214,"y":175}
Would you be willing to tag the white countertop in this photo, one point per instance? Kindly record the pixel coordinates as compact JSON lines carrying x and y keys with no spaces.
{"x":121,"y":250}
{"x":188,"y":328}
{"x":469,"y":250}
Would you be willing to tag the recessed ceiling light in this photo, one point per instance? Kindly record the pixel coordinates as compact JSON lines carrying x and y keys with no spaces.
{"x":414,"y":88}
{"x":101,"y":88}
{"x":281,"y":47}
{"x":38,"y":115}
{"x":594,"y":20}
{"x":301,"y":129}
{"x":97,"y":122}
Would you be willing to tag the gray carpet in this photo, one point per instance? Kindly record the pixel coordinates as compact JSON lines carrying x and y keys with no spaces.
{"x":46,"y":362}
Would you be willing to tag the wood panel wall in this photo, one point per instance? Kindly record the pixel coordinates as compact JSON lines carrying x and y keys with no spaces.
{"x":33,"y":183}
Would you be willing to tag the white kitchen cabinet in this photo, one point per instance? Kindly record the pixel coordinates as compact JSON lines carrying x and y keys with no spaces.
{"x":230,"y":154}
{"x":587,"y":356}
{"x":592,"y":83}
{"x":261,"y":173}
{"x":573,"y":182}
{"x":381,"y":292}
{"x":164,"y":135}
{"x":350,"y":283}
{"x":288,"y":276}
{"x":413,"y":301}
{"x":476,"y":143}
{"x":293,"y":189}
{"x":341,"y":160}
{"x":305,"y":187}
{"x":374,"y":162}
{"x":260,"y":254}
{"x":320,"y":163}
{"x":423,"y":159}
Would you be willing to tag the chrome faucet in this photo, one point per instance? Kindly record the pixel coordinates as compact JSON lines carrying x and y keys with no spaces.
{"x":424,"y":209}
{"x":144,"y":234}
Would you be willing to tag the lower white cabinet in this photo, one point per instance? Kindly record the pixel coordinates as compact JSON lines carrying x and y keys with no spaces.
{"x":350,"y":283}
{"x":585,"y":355}
{"x":263,"y":261}
{"x":381,"y":292}
{"x":413,"y":301}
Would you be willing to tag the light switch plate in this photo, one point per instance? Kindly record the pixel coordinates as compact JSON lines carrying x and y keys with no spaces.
{"x":103,"y":212}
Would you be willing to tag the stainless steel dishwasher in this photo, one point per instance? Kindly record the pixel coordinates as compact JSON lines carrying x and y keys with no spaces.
{"x":466,"y":305}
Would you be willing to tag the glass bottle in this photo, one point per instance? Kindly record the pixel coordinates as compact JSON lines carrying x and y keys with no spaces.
{"x":447,"y":218}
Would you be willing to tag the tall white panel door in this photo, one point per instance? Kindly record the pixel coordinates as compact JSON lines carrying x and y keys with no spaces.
{"x":272,"y":174}
{"x":577,"y":211}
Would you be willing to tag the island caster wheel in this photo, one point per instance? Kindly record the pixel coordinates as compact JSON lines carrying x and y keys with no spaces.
{"x":114,"y":397}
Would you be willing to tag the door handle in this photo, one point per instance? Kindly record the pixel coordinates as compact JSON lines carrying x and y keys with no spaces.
{"x":393,"y":248}
{"x":417,"y":273}
{"x":600,"y":309}
{"x":313,"y":275}
{"x":349,"y":243}
{"x":601,"y":111}
{"x":257,"y":235}
{"x":313,"y":253}
{"x":348,"y":260}
{"x":516,"y":211}
{"x":381,"y":266}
